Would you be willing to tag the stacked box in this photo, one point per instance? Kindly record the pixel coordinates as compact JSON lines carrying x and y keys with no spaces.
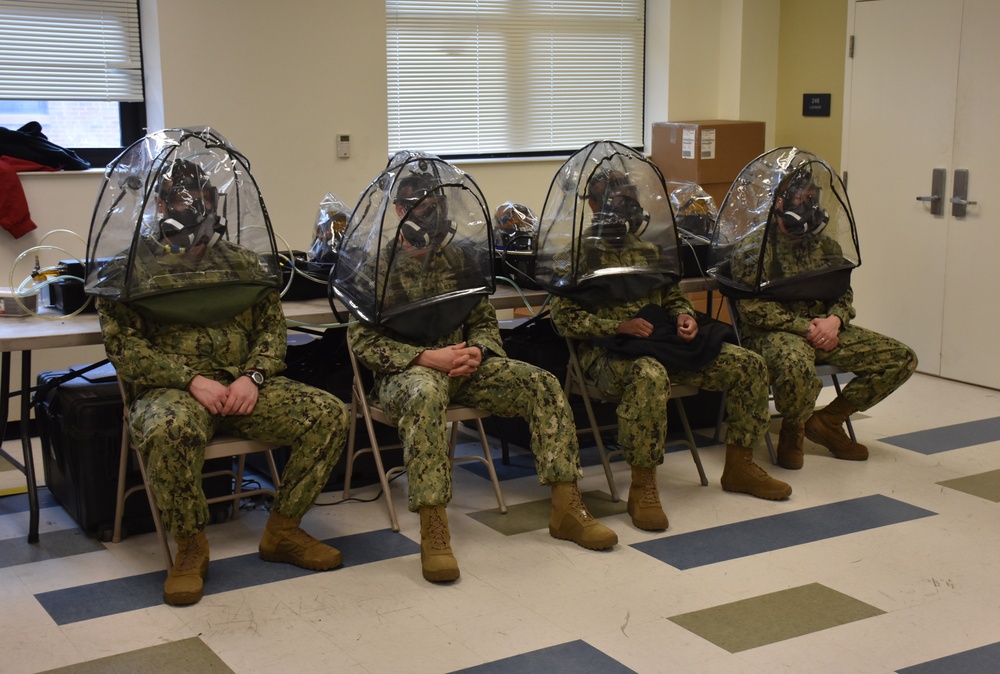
{"x":710,"y":153}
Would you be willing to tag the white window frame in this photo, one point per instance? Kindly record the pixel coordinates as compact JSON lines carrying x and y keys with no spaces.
{"x":513,"y":78}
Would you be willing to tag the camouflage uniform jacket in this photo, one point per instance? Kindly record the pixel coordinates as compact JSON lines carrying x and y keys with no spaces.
{"x":383,"y":351}
{"x":758,"y":315}
{"x":150,"y":355}
{"x":574,"y":321}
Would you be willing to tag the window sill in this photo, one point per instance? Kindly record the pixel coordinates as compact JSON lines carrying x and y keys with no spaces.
{"x":86,"y":172}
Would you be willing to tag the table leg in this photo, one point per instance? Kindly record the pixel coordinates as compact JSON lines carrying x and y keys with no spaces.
{"x":28,"y":466}
{"x":29,"y":456}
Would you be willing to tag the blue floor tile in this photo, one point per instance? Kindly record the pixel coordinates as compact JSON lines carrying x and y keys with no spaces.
{"x":983,"y":660}
{"x":50,"y":545}
{"x":947,"y":438}
{"x":574,"y":657}
{"x":136,"y":592}
{"x":741,"y":539}
{"x":18,"y":503}
{"x":522,"y":462}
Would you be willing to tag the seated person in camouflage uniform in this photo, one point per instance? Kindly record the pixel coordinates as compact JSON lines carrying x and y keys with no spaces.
{"x":643,"y":383}
{"x":795,"y":336}
{"x":188,"y":379}
{"x":416,"y":380}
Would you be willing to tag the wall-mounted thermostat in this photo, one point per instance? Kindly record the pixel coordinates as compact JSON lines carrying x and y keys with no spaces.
{"x":343,"y":145}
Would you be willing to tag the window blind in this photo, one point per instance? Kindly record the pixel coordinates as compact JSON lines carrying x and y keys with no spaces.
{"x":70,"y":50}
{"x":502,"y":77}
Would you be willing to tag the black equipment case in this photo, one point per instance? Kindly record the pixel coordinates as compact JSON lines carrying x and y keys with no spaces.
{"x":80,"y":426}
{"x":324,"y":363}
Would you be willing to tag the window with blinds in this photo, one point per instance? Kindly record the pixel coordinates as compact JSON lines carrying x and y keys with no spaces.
{"x":75,"y":66}
{"x":70,"y":50}
{"x":503,"y":78}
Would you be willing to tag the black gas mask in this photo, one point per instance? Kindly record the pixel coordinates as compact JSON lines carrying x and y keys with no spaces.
{"x":189,"y":203}
{"x":426,"y":223}
{"x":620,"y":214}
{"x":195,"y":225}
{"x":804,"y":217}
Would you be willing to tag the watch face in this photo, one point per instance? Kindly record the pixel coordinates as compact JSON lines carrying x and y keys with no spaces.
{"x":256,"y":377}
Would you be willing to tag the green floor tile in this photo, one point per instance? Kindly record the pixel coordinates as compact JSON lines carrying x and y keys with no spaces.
{"x":534,"y":515}
{"x":774,"y":617}
{"x":177,"y":657}
{"x":985,"y":485}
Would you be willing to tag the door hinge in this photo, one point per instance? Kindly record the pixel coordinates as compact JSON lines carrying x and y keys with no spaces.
{"x":850,"y":48}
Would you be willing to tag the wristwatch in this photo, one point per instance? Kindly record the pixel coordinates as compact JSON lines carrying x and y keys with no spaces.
{"x":484,"y":352}
{"x":256,"y":376}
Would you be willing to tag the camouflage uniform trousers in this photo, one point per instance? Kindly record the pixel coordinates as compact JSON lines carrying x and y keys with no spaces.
{"x":880,"y":365}
{"x":417,"y":399}
{"x":642,"y":386}
{"x":171,"y":429}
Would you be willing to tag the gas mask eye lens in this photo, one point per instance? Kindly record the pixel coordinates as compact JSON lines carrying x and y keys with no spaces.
{"x":414,"y":199}
{"x":179,"y":197}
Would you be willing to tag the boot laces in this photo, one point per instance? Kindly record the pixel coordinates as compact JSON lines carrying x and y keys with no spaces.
{"x":300,"y":537}
{"x":437,"y":531}
{"x":188,"y":557}
{"x":755,"y":470}
{"x":650,"y":495}
{"x":576,"y":505}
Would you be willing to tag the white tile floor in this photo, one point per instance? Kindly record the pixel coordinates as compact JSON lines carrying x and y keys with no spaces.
{"x":937,"y":579}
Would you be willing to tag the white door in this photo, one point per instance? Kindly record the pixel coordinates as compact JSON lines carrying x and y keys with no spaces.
{"x":969,"y":350}
{"x":917,"y":95}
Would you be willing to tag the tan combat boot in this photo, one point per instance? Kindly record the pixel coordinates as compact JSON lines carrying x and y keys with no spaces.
{"x":826,"y":427}
{"x":185,"y":579}
{"x":644,"y":501}
{"x":743,"y":476}
{"x":571,"y":521}
{"x":790,"y":445}
{"x":436,"y":558}
{"x":284,"y":541}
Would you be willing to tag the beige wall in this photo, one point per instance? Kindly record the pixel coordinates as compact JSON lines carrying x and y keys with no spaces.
{"x":723,"y":60}
{"x":812,"y":47}
{"x":753,"y":60}
{"x":281,"y":84}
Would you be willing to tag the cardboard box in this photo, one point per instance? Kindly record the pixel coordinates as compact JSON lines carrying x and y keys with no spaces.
{"x":707,"y":152}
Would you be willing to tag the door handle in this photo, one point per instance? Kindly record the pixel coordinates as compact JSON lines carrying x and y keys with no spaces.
{"x":960,"y":194}
{"x":936,"y":198}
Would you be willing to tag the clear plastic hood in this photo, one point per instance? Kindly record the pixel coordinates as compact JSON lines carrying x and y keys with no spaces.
{"x":785,"y":230}
{"x":417,"y":252}
{"x":607,"y":230}
{"x":179,"y":211}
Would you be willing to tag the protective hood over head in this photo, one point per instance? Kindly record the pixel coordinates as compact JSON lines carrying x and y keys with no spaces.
{"x":180,"y":230}
{"x":606,"y":231}
{"x":417,"y":252}
{"x":785,"y":231}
